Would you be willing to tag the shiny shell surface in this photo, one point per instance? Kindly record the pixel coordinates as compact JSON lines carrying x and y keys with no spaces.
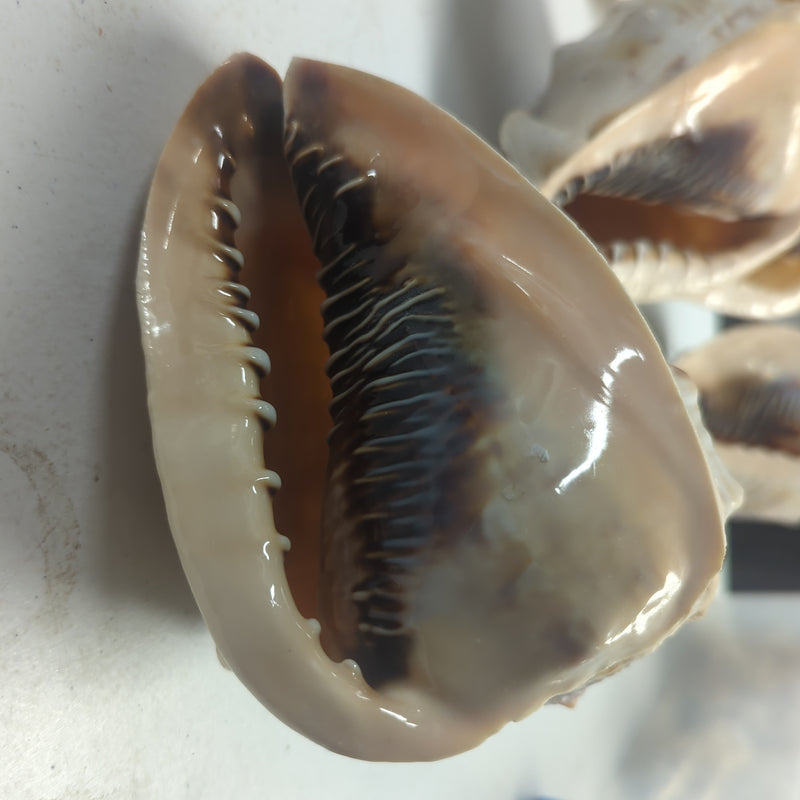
{"x":512,"y":502}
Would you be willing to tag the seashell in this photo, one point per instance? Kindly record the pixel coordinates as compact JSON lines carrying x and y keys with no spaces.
{"x":671,"y":136}
{"x":512,"y":502}
{"x":749,"y":384}
{"x":729,"y":492}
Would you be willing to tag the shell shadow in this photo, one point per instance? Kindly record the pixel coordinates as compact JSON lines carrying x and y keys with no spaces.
{"x":492,"y":58}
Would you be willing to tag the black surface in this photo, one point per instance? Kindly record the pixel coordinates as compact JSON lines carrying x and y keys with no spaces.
{"x":763,"y":558}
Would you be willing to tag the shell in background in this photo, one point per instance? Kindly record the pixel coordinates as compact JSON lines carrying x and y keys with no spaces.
{"x":672,"y":136}
{"x":749,"y":384}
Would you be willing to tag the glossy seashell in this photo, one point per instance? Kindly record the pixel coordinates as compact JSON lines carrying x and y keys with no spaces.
{"x":671,"y":136}
{"x":729,"y":492}
{"x":513,"y":502}
{"x":749,"y":384}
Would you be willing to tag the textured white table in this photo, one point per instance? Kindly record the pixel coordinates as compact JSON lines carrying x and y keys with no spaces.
{"x":109,"y":683}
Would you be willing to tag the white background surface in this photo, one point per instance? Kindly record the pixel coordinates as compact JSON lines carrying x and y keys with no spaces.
{"x":109,"y":683}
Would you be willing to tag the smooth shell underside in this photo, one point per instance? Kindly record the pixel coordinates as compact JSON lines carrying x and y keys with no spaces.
{"x":671,"y":136}
{"x":512,"y":502}
{"x":749,"y":384}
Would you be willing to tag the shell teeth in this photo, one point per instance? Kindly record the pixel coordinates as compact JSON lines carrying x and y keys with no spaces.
{"x":396,"y":406}
{"x":269,"y":479}
{"x":228,"y":255}
{"x":333,"y":263}
{"x":257,"y":358}
{"x":225,"y":161}
{"x":385,"y":618}
{"x":357,"y":337}
{"x":323,"y":212}
{"x":403,"y":378}
{"x":582,"y":184}
{"x":403,"y":543}
{"x":598,"y":176}
{"x":653,"y":269}
{"x":666,"y":251}
{"x":315,"y":148}
{"x":234,"y":291}
{"x":306,"y":198}
{"x":362,"y":595}
{"x":362,"y":332}
{"x":290,"y":132}
{"x":403,"y":344}
{"x":355,"y":312}
{"x":226,"y":206}
{"x":570,"y":191}
{"x":617,"y":251}
{"x":247,"y":317}
{"x":354,"y":183}
{"x":352,"y":288}
{"x":366,"y":627}
{"x":645,"y":250}
{"x":329,"y":162}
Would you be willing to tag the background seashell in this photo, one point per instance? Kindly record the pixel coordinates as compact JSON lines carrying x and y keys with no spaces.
{"x":749,"y":383}
{"x":560,"y":525}
{"x":730,"y":494}
{"x":670,"y":135}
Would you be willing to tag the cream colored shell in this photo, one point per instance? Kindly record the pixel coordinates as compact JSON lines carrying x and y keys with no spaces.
{"x":758,"y":356}
{"x":600,"y":490}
